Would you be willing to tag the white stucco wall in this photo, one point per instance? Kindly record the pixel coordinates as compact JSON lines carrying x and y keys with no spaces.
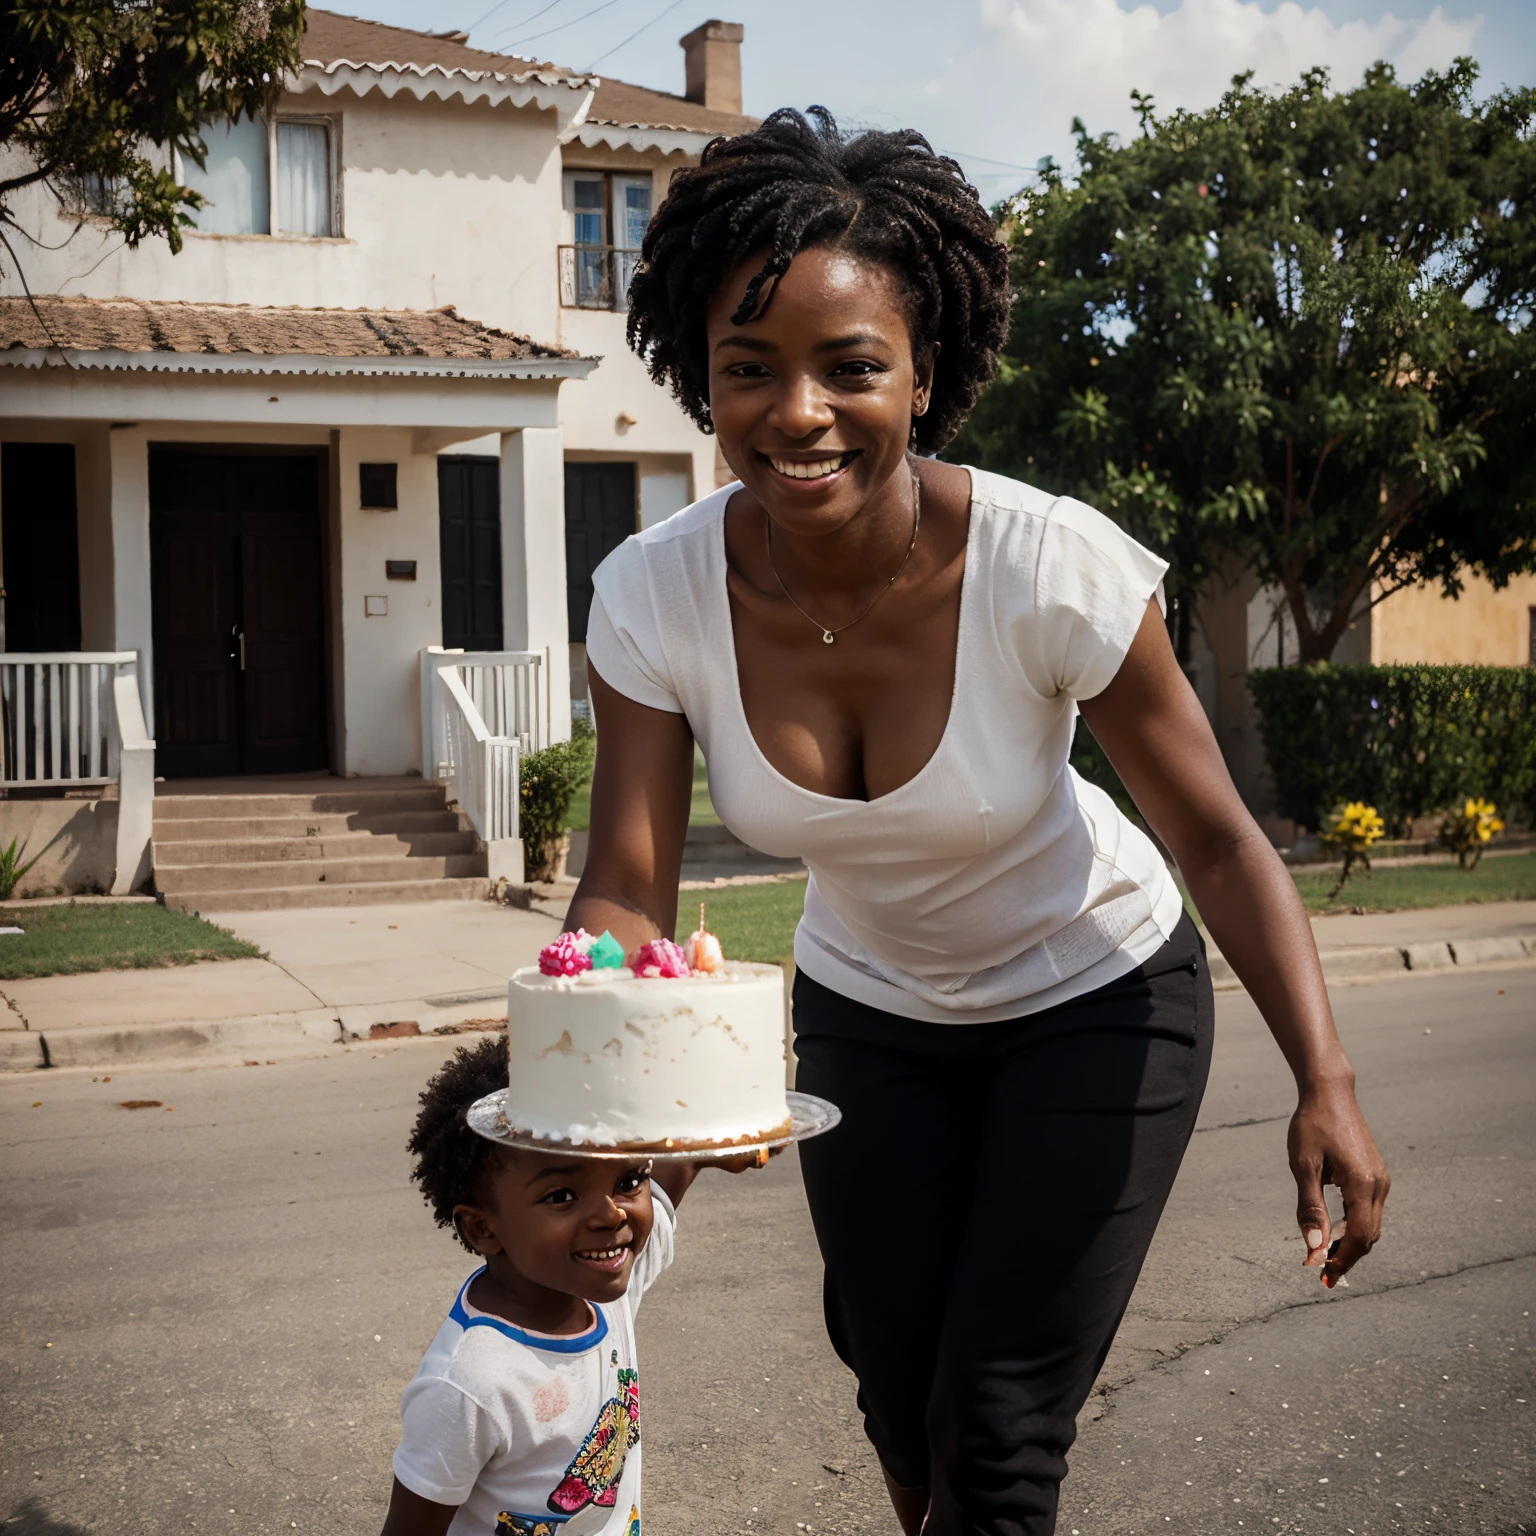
{"x":382,"y":729}
{"x":443,"y":203}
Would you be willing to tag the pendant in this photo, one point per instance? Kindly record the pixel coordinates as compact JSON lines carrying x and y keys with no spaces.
{"x":827,"y":637}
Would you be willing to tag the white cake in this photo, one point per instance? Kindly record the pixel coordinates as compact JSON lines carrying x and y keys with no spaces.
{"x":607,"y":1059}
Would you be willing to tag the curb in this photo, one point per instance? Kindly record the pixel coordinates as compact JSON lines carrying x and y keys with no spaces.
{"x":1381,"y":961}
{"x":312,"y":1031}
{"x":318,"y":1031}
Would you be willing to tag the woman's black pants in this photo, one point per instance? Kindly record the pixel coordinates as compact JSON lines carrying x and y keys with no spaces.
{"x":983,"y":1211}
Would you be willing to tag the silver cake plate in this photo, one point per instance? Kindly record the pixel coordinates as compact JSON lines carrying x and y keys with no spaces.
{"x":808,"y":1116}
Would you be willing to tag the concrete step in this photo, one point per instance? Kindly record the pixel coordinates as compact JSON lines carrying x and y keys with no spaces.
{"x":205,"y":829}
{"x":371,"y":893}
{"x":341,"y":801}
{"x":219,"y":852}
{"x":202,"y":879}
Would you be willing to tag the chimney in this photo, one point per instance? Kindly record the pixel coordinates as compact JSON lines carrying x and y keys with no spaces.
{"x":713,"y":55}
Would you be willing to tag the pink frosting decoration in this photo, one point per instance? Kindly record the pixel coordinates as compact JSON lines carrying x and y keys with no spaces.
{"x":661,"y":958}
{"x":566,"y":956}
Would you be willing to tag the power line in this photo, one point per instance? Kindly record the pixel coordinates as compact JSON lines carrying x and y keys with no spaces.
{"x":632,"y":36}
{"x":549,"y":32}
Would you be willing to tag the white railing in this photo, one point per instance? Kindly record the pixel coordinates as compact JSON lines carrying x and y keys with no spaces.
{"x":58,"y":718}
{"x":479,"y":714}
{"x":72,"y":719}
{"x":507,"y":688}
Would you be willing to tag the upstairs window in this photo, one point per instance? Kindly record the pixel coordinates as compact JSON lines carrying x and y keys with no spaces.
{"x":607,"y":215}
{"x":266,"y":175}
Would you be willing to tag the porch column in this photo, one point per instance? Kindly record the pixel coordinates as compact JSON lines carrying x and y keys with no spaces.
{"x":132,"y":621}
{"x":533,"y":561}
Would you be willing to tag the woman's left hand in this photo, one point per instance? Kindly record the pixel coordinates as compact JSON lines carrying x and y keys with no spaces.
{"x":1330,"y":1143}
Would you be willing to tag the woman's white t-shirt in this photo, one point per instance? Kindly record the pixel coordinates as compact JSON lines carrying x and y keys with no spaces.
{"x":994,"y":883}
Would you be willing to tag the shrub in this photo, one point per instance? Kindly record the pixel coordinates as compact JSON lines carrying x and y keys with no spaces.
{"x":12,"y":869}
{"x":1467,"y":831}
{"x":1351,"y":830}
{"x":1409,"y":740}
{"x":547,"y":779}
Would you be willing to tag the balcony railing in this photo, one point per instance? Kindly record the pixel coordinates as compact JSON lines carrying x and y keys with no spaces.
{"x":596,"y":276}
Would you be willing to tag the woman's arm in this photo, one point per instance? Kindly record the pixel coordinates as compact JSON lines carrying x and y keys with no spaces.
{"x":1155,"y":733}
{"x":640,"y":796}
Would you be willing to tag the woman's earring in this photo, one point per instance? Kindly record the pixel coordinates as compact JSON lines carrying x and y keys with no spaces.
{"x":912,"y":437}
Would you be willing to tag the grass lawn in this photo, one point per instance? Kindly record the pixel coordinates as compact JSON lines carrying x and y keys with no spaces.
{"x":701,"y":814}
{"x":757,"y":922}
{"x":63,"y":940}
{"x":754,"y":922}
{"x":1511,"y":877}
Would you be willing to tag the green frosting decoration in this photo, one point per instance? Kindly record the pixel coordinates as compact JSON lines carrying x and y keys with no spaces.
{"x":606,"y":954}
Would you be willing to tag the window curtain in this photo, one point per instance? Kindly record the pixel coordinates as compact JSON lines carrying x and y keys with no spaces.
{"x":303,"y":178}
{"x":233,"y":179}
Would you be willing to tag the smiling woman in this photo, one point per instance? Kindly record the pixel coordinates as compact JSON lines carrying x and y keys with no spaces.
{"x":883,"y":658}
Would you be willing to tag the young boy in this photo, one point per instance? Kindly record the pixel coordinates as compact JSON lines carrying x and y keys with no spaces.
{"x":523,"y":1418}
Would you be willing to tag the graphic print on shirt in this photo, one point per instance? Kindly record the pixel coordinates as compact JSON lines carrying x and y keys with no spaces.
{"x":527,"y":1525}
{"x":595,"y":1471}
{"x":593,"y":1475}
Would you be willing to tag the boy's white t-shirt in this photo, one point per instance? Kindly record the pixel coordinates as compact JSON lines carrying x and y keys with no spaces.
{"x":529,"y":1434}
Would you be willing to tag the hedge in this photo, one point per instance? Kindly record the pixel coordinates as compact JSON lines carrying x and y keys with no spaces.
{"x":1408,"y":740}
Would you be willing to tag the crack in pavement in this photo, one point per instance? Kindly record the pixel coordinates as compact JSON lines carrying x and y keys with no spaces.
{"x":1237,"y":1125}
{"x":15,"y":1007}
{"x":1107,"y":1391}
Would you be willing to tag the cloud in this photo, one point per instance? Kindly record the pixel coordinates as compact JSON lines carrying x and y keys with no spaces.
{"x":1040,"y":63}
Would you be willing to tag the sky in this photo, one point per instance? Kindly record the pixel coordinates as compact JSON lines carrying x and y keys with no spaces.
{"x":996,"y":83}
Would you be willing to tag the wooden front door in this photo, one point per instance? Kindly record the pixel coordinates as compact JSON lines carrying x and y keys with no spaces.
{"x":238,"y":615}
{"x":599,"y":515}
{"x":469,"y":531}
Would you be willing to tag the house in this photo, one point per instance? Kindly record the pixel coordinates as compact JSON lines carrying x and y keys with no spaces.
{"x":379,"y":404}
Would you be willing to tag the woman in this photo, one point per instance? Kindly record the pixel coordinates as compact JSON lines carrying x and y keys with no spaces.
{"x":883,"y":658}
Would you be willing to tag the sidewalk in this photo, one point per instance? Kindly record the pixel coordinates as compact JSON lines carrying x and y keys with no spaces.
{"x":332,"y":975}
{"x":337,"y":975}
{"x":1371,"y":945}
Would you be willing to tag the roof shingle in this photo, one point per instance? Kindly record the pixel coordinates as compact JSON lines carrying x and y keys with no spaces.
{"x":142,"y":325}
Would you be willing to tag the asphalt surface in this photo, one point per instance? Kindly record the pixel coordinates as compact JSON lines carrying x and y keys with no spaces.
{"x":211,"y":1304}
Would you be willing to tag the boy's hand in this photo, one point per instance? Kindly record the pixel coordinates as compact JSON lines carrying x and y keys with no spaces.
{"x":756,"y":1158}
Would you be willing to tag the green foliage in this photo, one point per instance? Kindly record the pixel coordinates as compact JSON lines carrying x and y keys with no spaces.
{"x":547,"y":781}
{"x":12,"y":869}
{"x":97,"y":91}
{"x":1409,"y":740}
{"x":1292,"y":330}
{"x":110,"y":936}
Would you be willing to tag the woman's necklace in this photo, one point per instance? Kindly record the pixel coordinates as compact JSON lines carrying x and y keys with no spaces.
{"x":829,"y":635}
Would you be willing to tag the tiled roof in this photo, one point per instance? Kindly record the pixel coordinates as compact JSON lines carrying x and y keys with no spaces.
{"x":330,"y":38}
{"x":633,"y":106}
{"x":147,"y":326}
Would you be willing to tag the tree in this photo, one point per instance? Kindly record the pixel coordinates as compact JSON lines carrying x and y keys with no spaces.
{"x":94,"y":93}
{"x":1294,"y":329}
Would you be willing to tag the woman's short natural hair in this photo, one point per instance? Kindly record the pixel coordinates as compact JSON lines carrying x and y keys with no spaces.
{"x":796,"y":182}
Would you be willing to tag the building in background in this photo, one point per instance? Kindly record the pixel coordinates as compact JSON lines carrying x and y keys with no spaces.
{"x":381,"y":401}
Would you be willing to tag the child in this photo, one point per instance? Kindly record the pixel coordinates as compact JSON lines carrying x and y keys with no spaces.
{"x":523,"y":1418}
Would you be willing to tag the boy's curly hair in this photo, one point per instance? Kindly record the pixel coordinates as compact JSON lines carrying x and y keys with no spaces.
{"x":796,"y":182}
{"x":452,"y":1161}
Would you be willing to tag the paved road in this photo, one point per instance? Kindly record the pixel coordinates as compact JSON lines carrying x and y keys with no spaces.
{"x":211,"y":1306}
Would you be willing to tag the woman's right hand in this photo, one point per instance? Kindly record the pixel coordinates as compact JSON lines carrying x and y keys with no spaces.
{"x":1330,"y":1143}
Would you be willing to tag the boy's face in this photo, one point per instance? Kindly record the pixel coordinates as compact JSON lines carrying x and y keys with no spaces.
{"x":567,"y":1223}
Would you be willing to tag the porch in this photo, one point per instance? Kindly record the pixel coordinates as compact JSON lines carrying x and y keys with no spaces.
{"x":261,"y":525}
